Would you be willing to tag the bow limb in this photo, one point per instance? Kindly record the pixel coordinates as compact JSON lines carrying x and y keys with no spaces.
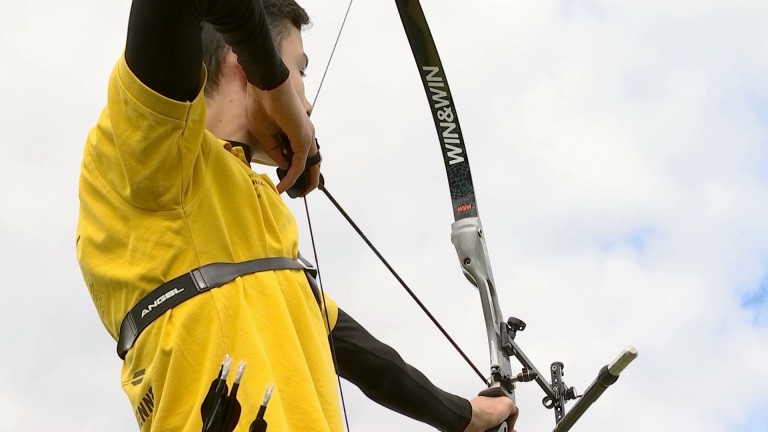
{"x":467,"y":232}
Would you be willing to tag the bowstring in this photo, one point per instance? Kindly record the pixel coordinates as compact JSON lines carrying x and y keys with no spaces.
{"x":325,"y":313}
{"x":333,"y":51}
{"x":312,"y":234}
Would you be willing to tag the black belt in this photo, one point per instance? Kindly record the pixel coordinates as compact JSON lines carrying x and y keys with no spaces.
{"x":188,"y":285}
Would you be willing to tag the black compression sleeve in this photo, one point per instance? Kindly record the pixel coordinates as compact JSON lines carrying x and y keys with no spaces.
{"x":164,"y":47}
{"x":380,"y":372}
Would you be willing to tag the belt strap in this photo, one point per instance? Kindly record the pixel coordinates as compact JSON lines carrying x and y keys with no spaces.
{"x":180,"y":289}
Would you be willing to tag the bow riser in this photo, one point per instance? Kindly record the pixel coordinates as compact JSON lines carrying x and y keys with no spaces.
{"x":467,"y":237}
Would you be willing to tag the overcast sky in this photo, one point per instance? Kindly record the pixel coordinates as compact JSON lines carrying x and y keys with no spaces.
{"x":619,"y":151}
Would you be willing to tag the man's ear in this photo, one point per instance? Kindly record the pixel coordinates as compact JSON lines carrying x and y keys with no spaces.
{"x":234,"y":68}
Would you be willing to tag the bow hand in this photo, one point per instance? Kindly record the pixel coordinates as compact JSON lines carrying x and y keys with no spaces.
{"x":501,"y":413}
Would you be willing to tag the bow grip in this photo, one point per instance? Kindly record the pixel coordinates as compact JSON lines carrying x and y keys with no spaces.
{"x":496,"y":391}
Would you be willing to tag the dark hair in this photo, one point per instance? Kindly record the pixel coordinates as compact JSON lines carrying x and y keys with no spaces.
{"x":280,"y":14}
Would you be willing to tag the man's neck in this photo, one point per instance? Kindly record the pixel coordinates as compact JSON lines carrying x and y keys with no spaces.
{"x":225,"y":118}
{"x":225,"y":115}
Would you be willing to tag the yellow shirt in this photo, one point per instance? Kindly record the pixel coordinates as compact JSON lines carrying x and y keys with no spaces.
{"x":159,"y":196}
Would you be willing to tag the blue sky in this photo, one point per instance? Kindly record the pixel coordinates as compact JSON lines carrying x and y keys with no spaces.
{"x":756,"y":300}
{"x":619,"y":155}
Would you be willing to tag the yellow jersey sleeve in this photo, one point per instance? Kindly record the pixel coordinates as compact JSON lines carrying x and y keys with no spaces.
{"x":152,"y":167}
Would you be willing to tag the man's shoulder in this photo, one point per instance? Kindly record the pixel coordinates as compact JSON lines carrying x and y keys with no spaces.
{"x":126,"y":91}
{"x":145,"y":147}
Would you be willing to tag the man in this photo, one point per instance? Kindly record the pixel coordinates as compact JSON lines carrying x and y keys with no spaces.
{"x":161,"y":195}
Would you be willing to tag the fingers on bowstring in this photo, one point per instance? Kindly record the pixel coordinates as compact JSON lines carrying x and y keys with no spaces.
{"x":294,"y":171}
{"x":300,"y":146}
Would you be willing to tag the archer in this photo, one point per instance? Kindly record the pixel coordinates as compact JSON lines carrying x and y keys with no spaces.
{"x":167,"y":191}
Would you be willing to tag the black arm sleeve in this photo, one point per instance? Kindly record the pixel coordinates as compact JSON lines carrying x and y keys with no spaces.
{"x":380,"y":372}
{"x":164,"y":45}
